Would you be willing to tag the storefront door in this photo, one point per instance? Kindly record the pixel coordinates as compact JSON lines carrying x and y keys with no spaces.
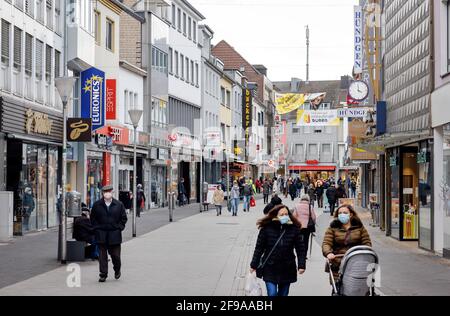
{"x":410,"y":198}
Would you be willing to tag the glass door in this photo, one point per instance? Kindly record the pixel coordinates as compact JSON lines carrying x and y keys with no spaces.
{"x":30,"y":189}
{"x":53,"y":216}
{"x":42,"y":203}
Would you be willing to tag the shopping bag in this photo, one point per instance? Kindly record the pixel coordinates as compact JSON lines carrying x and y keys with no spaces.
{"x":252,"y":285}
{"x":252,"y":202}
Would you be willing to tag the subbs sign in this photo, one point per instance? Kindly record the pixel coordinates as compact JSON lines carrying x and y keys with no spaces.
{"x":93,"y":97}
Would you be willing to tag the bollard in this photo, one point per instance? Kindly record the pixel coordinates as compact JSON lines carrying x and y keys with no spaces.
{"x":171,"y":205}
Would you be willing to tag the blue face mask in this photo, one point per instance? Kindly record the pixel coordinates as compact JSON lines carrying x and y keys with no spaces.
{"x":344,"y":218}
{"x":284,"y":219}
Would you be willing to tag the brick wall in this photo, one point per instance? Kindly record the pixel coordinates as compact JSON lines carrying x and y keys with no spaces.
{"x":130,"y":37}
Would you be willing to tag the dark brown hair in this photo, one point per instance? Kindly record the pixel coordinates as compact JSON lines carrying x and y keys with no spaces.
{"x":351,"y":209}
{"x":273,"y":214}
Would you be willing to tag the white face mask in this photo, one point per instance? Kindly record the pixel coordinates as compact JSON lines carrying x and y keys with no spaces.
{"x":108,"y":196}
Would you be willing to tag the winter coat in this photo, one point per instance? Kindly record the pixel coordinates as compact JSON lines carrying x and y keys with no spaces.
{"x":235,"y":192}
{"x":312,"y":194}
{"x":340,"y":193}
{"x":218,"y":197}
{"x":280,"y":267}
{"x":301,"y":212}
{"x":292,"y":189}
{"x":140,"y":197}
{"x":338,"y":241}
{"x":83,"y":229}
{"x":319,"y":191}
{"x":266,"y":188}
{"x":108,"y":224}
{"x":331,"y":194}
{"x":274,"y":202}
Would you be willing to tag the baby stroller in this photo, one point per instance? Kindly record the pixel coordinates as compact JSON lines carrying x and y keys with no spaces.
{"x":356,"y":273}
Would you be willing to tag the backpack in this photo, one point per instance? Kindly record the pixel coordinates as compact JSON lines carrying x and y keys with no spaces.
{"x":247,"y":190}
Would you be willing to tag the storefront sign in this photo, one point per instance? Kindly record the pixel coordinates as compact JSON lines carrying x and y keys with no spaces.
{"x":111,"y":99}
{"x":352,"y":113}
{"x":358,"y":24}
{"x":106,"y":169}
{"x":79,"y":130}
{"x":38,"y":123}
{"x":103,"y":141}
{"x":247,"y":113}
{"x":318,"y":118}
{"x":312,"y":162}
{"x":93,"y":97}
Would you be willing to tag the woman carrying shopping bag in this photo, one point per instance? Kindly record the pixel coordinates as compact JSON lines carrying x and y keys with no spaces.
{"x":274,"y":257}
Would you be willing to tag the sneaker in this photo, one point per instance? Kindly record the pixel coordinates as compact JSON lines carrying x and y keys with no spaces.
{"x":117,"y":276}
{"x":102,"y":280}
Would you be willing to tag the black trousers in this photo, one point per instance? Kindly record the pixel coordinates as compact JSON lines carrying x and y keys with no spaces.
{"x":332,"y":207}
{"x":306,"y":235}
{"x":114,"y":252}
{"x":266,"y":198}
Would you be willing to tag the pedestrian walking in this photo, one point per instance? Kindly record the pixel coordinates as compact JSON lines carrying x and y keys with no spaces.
{"x":182,"y":197}
{"x":345,"y":232}
{"x":218,"y":198}
{"x":353,"y":189}
{"x":299,"y":186}
{"x":306,"y":215}
{"x":235,"y":196}
{"x":248,"y":193}
{"x":140,"y":200}
{"x":108,"y":217}
{"x":274,"y":257}
{"x":292,"y":190}
{"x":275,"y":201}
{"x":332,"y":196}
{"x":266,"y":191}
{"x":312,"y":194}
{"x":319,"y":194}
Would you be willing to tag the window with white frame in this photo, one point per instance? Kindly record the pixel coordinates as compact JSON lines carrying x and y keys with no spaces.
{"x":39,"y":59}
{"x":192,"y":73}
{"x":40,"y":10}
{"x":182,"y":66}
{"x":97,"y":27}
{"x":222,"y":95}
{"x":6,"y":27}
{"x":17,"y":48}
{"x":189,"y":28}
{"x":326,"y":149}
{"x":48,"y":63}
{"x":170,"y":61}
{"x":179,"y":20}
{"x":187,"y":70}
{"x":109,"y":35}
{"x":177,"y":68}
{"x":184,"y":23}
{"x":196,"y":75}
{"x":29,"y":7}
{"x":57,"y":64}
{"x":298,"y":149}
{"x":174,"y":14}
{"x":312,"y":150}
{"x":28,"y":54}
{"x":49,"y":13}
{"x":194,"y":31}
{"x":58,"y":16}
{"x":18,"y":4}
{"x":228,"y":103}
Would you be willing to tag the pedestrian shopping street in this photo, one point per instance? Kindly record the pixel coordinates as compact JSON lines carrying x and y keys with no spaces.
{"x":206,"y":255}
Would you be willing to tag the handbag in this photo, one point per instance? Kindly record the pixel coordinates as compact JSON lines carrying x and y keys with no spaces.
{"x":311,"y":223}
{"x":260,"y":269}
{"x":252,"y":202}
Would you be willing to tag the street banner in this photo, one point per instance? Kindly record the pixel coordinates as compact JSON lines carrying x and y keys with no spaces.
{"x":318,"y":118}
{"x":358,"y":24}
{"x":290,"y":102}
{"x":111,"y":99}
{"x":79,"y":130}
{"x":93,"y":97}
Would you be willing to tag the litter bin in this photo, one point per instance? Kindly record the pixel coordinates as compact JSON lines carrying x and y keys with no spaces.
{"x":73,"y":204}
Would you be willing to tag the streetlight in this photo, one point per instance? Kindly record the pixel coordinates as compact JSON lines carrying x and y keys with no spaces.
{"x":64,"y":85}
{"x":135,"y":116}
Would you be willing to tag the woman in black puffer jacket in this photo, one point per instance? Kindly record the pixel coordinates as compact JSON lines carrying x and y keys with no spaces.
{"x":279,"y":269}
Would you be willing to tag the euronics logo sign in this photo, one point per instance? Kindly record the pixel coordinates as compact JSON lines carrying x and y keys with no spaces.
{"x":93,"y":97}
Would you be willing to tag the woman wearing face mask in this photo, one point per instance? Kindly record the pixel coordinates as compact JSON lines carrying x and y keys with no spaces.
{"x":345,"y":232}
{"x":274,"y":257}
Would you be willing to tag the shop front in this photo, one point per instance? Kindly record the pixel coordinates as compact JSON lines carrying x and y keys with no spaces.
{"x":313,"y":172}
{"x":33,"y":163}
{"x":409,"y":180}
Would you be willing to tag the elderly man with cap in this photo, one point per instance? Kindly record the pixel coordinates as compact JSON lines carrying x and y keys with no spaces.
{"x":108,"y":216}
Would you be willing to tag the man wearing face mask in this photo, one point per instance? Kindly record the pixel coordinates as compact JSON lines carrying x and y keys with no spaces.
{"x":108,"y":217}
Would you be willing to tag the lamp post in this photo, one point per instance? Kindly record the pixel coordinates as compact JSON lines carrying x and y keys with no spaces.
{"x":64,"y":85}
{"x":135,"y":116}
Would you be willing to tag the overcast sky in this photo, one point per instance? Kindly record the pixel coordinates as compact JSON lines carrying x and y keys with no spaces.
{"x":272,"y":32}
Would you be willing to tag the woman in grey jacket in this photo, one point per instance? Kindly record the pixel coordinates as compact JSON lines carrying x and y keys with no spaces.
{"x":235,"y":195}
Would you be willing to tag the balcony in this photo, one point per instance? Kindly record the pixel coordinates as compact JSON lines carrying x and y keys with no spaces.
{"x":81,"y":51}
{"x":5,"y":80}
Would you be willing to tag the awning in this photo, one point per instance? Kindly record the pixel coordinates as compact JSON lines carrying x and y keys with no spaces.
{"x":379,"y":144}
{"x":312,"y":168}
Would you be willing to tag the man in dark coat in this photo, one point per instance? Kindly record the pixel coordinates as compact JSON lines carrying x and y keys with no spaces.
{"x":331,"y":196}
{"x":181,"y":192}
{"x":108,"y":216}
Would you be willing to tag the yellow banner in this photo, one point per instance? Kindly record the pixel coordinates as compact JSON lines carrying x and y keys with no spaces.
{"x":318,"y":118}
{"x":289,"y":102}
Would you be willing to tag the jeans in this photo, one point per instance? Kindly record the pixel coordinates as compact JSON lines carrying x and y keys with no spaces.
{"x":219,"y":209}
{"x":247,"y":203}
{"x":277,"y":289}
{"x":353,"y":193}
{"x":235,"y":206}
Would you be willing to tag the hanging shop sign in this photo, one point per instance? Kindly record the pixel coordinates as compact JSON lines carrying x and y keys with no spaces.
{"x":38,"y":123}
{"x":290,"y":102}
{"x":318,"y":118}
{"x":93,"y":97}
{"x":79,"y":130}
{"x":247,"y":113}
{"x":352,"y":113}
{"x":358,"y":24}
{"x":111,"y":99}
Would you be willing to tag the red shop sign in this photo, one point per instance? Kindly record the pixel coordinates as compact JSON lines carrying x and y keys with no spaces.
{"x":111,"y":99}
{"x":120,"y":135}
{"x":312,"y":162}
